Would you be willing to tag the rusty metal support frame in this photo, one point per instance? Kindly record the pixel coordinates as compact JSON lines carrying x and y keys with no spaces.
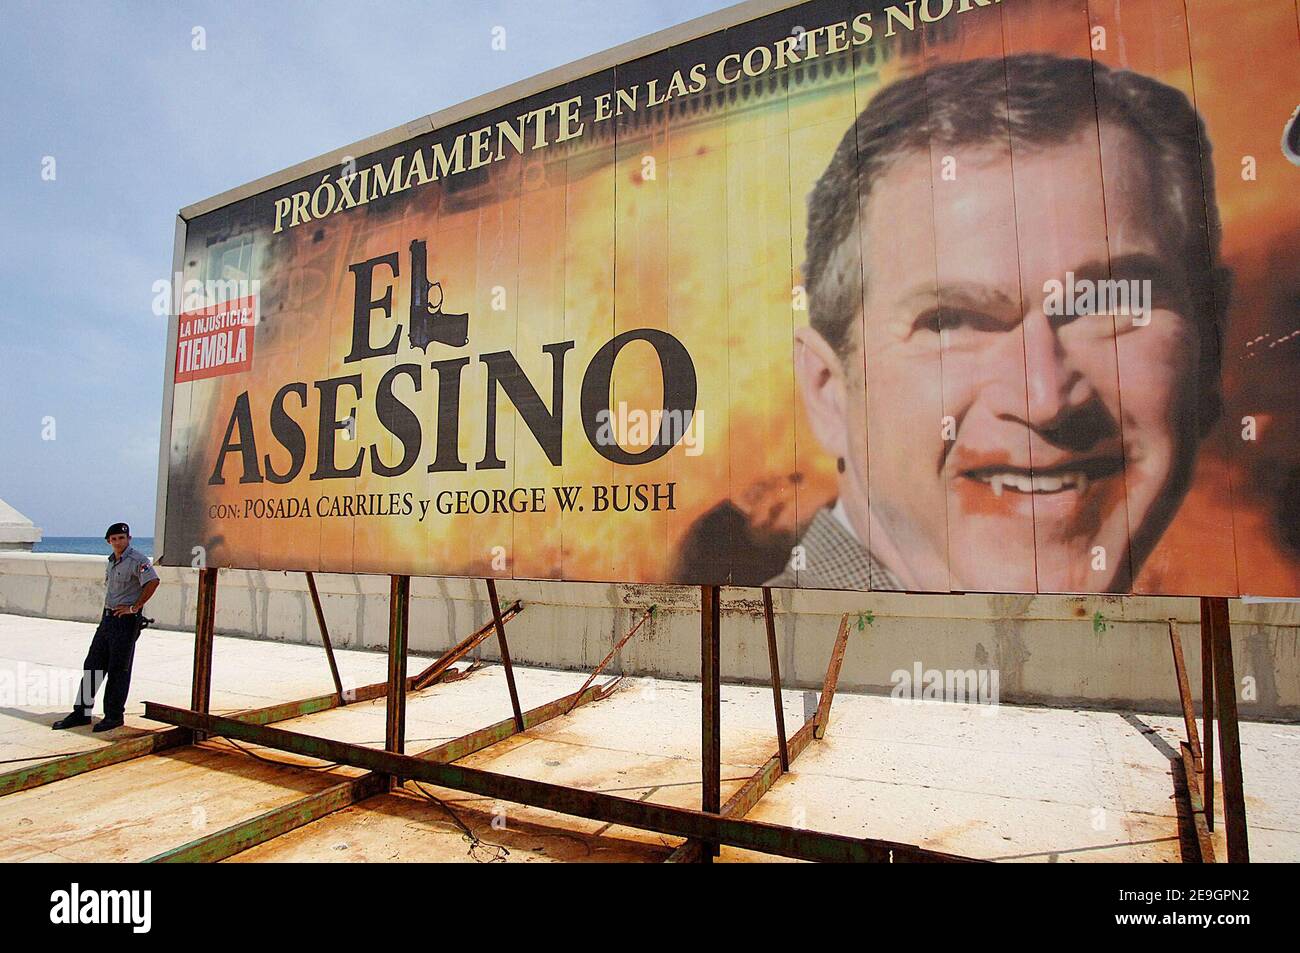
{"x":704,"y":831}
{"x":242,"y":835}
{"x":702,"y":828}
{"x":823,"y":718}
{"x":257,"y":830}
{"x":695,"y":826}
{"x":645,"y":815}
{"x":749,"y":793}
{"x":324,"y":633}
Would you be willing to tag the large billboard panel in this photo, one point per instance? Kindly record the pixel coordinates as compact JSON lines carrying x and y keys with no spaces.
{"x":928,"y":296}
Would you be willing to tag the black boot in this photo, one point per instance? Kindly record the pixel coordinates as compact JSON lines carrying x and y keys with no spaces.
{"x":74,"y":720}
{"x":107,"y":724}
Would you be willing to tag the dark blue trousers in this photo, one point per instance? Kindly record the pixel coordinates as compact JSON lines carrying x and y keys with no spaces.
{"x":108,"y":663}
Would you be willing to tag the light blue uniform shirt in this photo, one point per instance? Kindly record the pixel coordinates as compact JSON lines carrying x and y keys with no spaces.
{"x":125,"y":577}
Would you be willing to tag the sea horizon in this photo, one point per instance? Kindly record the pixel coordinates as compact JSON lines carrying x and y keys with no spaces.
{"x":88,"y":545}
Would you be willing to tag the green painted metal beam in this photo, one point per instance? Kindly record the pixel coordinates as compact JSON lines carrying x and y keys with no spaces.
{"x":61,"y":768}
{"x":245,"y":834}
{"x":70,"y":766}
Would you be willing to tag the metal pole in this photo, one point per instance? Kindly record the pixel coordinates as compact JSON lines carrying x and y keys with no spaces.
{"x":774,"y":665}
{"x":204,"y":620}
{"x":325,"y":634}
{"x":1184,"y":694}
{"x":710,"y":708}
{"x":1207,"y":710}
{"x":505,"y":652}
{"x":1234,"y":799}
{"x":832,"y":678}
{"x":399,"y":599}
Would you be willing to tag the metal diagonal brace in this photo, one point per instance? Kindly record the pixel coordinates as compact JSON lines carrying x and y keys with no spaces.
{"x":324,"y":634}
{"x":1190,"y":760}
{"x":462,"y":648}
{"x":615,"y":650}
{"x":1185,"y":694}
{"x":1195,"y":804}
{"x":774,"y":671}
{"x":503,"y":648}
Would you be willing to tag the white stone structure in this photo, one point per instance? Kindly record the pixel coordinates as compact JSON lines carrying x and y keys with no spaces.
{"x":16,"y":531}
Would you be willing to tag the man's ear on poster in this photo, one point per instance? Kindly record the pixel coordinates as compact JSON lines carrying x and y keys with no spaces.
{"x":820,"y":374}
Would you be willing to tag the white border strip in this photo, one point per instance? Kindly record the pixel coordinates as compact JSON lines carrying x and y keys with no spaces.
{"x":169,"y":390}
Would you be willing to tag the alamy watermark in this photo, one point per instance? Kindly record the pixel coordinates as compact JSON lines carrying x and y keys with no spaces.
{"x":77,"y":905}
{"x":1081,"y":297}
{"x":634,"y":427}
{"x":181,"y":295}
{"x":970,"y":686}
{"x":40,"y":686}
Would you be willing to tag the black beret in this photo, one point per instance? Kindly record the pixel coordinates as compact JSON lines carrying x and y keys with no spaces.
{"x":118,"y":528}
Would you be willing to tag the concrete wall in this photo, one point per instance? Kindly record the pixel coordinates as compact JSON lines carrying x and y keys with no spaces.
{"x":1045,"y":649}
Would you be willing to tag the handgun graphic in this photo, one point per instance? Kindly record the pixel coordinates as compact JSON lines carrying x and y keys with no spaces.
{"x":428,"y":321}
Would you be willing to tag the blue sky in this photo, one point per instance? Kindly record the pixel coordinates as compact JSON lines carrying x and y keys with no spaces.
{"x":139,"y":124}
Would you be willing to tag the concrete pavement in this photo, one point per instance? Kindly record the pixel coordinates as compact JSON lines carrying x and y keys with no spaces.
{"x":999,"y":782}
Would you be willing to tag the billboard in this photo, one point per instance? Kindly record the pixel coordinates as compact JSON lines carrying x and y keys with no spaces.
{"x":932,"y":295}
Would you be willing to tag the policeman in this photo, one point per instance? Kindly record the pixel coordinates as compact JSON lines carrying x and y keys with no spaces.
{"x":130,"y":582}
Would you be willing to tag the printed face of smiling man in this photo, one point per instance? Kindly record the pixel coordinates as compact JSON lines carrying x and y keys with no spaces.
{"x":988,"y":423}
